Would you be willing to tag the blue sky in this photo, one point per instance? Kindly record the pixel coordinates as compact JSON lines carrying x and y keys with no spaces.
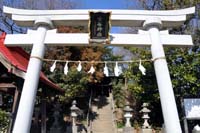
{"x":104,"y":4}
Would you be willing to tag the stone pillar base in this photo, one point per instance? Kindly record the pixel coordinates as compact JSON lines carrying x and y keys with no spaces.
{"x":56,"y":130}
{"x":146,"y":131}
{"x":128,"y":130}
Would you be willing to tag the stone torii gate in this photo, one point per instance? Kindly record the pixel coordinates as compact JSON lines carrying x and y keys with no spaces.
{"x":151,"y":21}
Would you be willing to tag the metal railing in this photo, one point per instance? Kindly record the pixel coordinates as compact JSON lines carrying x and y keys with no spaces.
{"x":112,"y":103}
{"x":89,"y":125}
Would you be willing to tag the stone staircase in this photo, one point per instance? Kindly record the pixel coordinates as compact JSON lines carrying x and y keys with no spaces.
{"x":103,"y":116}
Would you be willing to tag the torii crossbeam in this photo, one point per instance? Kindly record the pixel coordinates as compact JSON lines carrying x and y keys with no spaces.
{"x":151,"y":21}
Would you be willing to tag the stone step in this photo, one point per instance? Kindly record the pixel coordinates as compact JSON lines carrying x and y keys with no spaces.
{"x":102,"y":127}
{"x":102,"y":132}
{"x":103,"y":122}
{"x":104,"y":114}
{"x":108,"y":123}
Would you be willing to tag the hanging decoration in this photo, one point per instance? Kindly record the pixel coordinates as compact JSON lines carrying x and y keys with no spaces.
{"x":92,"y":70}
{"x":141,"y":68}
{"x":120,"y":70}
{"x":105,"y":70}
{"x":66,"y":69}
{"x":79,"y":68}
{"x":53,"y":66}
{"x":117,"y":70}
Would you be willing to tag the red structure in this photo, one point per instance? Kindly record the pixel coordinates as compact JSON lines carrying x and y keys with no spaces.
{"x":13,"y":65}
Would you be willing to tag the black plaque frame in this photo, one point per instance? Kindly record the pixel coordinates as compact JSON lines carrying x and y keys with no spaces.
{"x":105,"y":27}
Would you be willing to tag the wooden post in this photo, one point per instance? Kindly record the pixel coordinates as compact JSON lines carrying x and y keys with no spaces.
{"x":43,"y":117}
{"x":14,"y":108}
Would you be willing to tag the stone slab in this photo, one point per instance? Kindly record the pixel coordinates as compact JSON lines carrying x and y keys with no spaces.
{"x":146,"y":131}
{"x":128,"y":130}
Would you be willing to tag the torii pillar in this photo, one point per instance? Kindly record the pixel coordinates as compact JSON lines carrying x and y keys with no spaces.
{"x":152,"y":21}
{"x":27,"y":100}
{"x":167,"y":98}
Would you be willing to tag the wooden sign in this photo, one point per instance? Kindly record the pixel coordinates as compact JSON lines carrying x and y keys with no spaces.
{"x":99,"y":27}
{"x":192,"y":108}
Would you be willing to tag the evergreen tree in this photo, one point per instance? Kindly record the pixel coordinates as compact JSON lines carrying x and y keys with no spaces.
{"x":183,"y":63}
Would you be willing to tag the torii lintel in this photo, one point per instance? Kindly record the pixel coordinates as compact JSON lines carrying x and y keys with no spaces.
{"x":125,"y":18}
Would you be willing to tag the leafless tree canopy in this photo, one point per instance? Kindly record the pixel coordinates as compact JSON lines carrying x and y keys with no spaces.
{"x":8,"y":26}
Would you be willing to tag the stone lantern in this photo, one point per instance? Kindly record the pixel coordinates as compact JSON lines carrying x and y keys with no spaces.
{"x":145,"y":116}
{"x":128,"y":115}
{"x":74,"y":109}
{"x":146,"y":128}
{"x":56,"y":128}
